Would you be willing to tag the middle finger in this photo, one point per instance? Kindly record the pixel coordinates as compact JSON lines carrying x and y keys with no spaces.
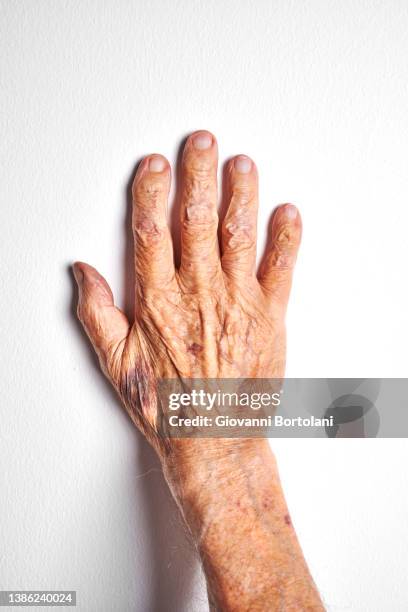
{"x":200,"y":260}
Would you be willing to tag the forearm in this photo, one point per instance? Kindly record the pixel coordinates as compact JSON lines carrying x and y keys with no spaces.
{"x":234,"y":506}
{"x":219,"y":318}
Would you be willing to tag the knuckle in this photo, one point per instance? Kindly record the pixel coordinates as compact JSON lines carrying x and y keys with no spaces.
{"x":243,"y":194}
{"x":146,"y":231}
{"x":239,"y":227}
{"x":238,"y":234}
{"x":200,"y":213}
{"x":281,"y":260}
{"x":285,"y":240}
{"x":199,"y":165}
{"x":149,"y":192}
{"x":199,"y":204}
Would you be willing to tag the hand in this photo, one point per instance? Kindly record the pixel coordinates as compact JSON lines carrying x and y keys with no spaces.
{"x":211,"y":318}
{"x":214,"y":317}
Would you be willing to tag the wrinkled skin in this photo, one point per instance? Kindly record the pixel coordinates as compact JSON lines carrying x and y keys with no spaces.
{"x":214,"y":316}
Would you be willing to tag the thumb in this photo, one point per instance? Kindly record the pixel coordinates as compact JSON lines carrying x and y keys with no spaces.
{"x":105,"y":324}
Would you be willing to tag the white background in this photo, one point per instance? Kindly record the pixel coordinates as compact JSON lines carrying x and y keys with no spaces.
{"x":317,"y":93}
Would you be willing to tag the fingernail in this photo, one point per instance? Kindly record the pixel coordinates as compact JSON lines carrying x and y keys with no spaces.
{"x":290,"y":211}
{"x":78,"y":274}
{"x":156,"y":164}
{"x":202,"y":141}
{"x":243,"y":164}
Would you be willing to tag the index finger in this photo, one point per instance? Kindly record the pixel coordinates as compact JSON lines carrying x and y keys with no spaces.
{"x":154,"y":264}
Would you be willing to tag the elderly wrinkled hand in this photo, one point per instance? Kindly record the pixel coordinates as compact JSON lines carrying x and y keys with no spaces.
{"x":214,"y":316}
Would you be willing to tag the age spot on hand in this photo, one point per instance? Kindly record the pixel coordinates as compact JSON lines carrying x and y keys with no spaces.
{"x":195,"y":349}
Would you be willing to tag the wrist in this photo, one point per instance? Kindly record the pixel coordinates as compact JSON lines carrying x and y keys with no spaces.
{"x":201,"y":471}
{"x":231,"y":498}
